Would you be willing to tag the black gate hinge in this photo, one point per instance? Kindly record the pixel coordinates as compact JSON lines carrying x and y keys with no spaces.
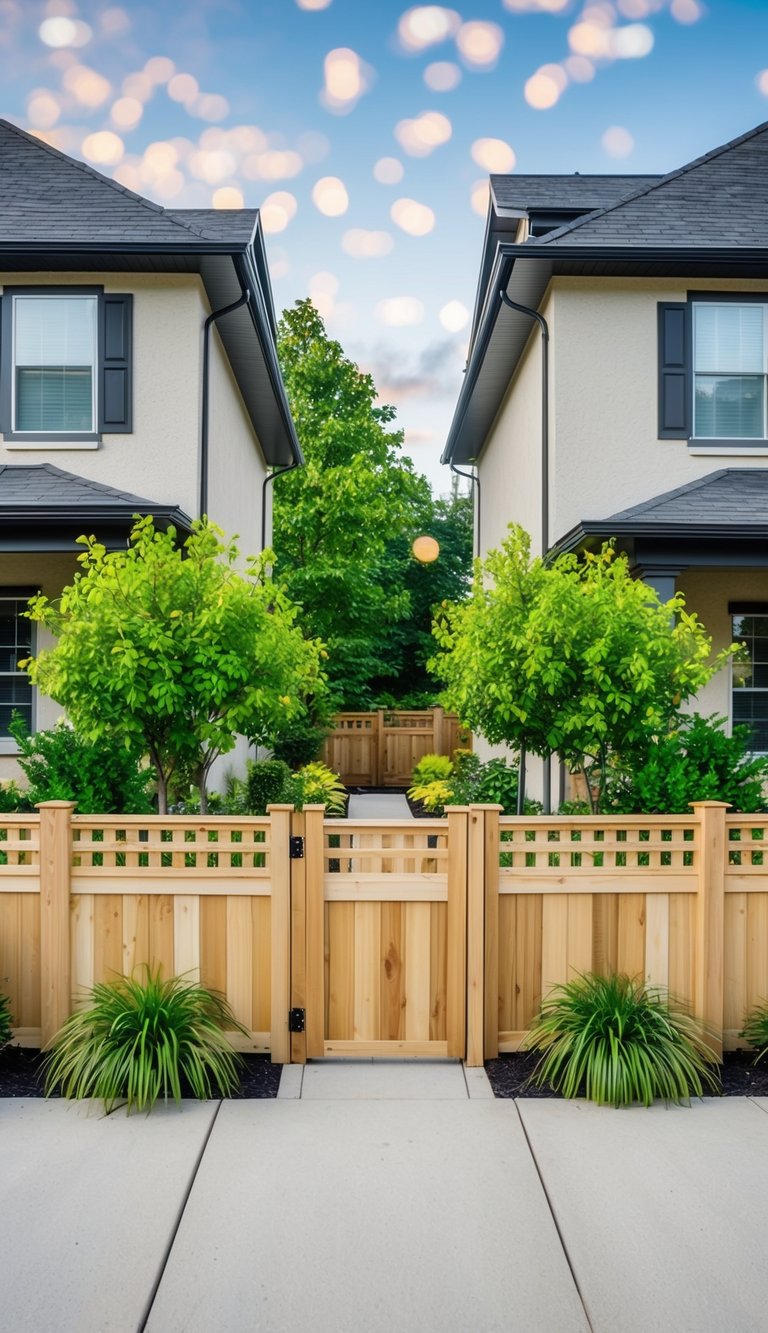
{"x":296,"y":846}
{"x":295,"y":1020}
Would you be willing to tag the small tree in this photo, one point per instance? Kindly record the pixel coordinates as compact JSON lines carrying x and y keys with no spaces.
{"x":575,"y":657}
{"x":174,"y":649}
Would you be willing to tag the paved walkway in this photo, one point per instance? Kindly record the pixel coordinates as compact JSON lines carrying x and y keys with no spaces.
{"x":380,"y":1196}
{"x":379,"y":805}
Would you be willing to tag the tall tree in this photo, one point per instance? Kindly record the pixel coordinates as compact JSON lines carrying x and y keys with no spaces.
{"x":174,"y":650}
{"x":335,"y":518}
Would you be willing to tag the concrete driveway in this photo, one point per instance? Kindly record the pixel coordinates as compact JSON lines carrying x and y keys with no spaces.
{"x":384,"y":1196}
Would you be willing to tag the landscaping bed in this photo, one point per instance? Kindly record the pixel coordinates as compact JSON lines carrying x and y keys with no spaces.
{"x":21,"y":1075}
{"x":508,"y":1075}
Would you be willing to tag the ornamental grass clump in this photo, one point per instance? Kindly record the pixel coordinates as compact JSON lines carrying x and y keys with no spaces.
{"x":5,"y":1021}
{"x":140,"y":1040}
{"x":755,"y":1030}
{"x":617,"y":1041}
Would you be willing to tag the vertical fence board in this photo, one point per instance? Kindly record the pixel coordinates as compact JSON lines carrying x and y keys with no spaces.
{"x":456,"y":970}
{"x":630,"y":952}
{"x":262,"y":977}
{"x":367,"y":974}
{"x":213,"y":942}
{"x":757,"y":949}
{"x":393,"y":983}
{"x":579,"y":933}
{"x":28,"y":1011}
{"x":554,"y":943}
{"x":657,"y":939}
{"x":438,"y":971}
{"x":161,"y":931}
{"x":108,"y":936}
{"x":135,"y":933}
{"x":735,"y":965}
{"x":81,"y":947}
{"x":418,"y":951}
{"x":341,"y":981}
{"x":240,"y":960}
{"x":186,"y":936}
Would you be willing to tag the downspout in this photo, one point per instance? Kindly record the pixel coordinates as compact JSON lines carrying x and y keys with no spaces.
{"x":280,"y":472}
{"x":535,"y":314}
{"x":209,"y":321}
{"x":474,"y":479}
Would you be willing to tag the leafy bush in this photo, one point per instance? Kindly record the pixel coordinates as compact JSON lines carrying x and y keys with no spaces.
{"x":617,"y":1041}
{"x":5,"y":1021}
{"x":434,"y":796}
{"x":12,"y":798}
{"x":432,"y":768}
{"x":315,"y":784}
{"x":268,"y":783}
{"x":695,"y":762}
{"x":755,"y":1030}
{"x":103,"y":777}
{"x":300,"y":740}
{"x":138,"y":1040}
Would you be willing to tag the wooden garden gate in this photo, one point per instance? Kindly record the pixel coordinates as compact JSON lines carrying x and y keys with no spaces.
{"x":378,"y":936}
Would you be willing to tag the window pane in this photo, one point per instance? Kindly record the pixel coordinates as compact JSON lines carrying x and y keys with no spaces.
{"x":729,"y":407}
{"x":750,"y":707}
{"x":56,"y":398}
{"x":56,"y":330}
{"x":728,"y":338}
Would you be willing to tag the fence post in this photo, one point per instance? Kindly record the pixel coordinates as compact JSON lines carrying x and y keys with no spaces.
{"x":483,"y":934}
{"x":492,"y":847}
{"x":710,"y":920}
{"x":456,"y":965}
{"x":379,"y":751}
{"x":438,"y":720}
{"x":280,"y":942}
{"x":314,"y":856}
{"x":55,"y":864}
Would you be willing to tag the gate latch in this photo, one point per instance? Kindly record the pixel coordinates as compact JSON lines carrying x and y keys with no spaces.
{"x":296,"y":848}
{"x":295,"y":1020}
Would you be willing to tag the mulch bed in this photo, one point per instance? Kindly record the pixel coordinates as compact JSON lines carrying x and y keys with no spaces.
{"x":509,"y":1074}
{"x":21,"y":1075}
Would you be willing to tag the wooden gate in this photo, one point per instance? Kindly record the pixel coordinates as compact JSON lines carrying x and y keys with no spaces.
{"x":382,"y":749}
{"x":379,"y":937}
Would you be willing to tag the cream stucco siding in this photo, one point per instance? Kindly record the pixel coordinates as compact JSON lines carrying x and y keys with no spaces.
{"x":510,"y":467}
{"x":236,"y":467}
{"x":708,"y":592}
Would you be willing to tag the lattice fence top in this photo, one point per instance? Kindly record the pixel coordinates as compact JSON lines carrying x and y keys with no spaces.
{"x":19,"y":840}
{"x":175,"y":843}
{"x":593,"y":845}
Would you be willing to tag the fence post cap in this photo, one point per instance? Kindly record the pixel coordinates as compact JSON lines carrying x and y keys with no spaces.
{"x":273,"y":809}
{"x":309,"y":809}
{"x":55,"y":805}
{"x":481,"y":805}
{"x":710,"y":805}
{"x":456,"y":809}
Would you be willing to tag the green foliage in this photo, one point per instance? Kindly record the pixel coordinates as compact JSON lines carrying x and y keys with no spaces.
{"x":434,"y":795}
{"x":617,"y":1041}
{"x":5,"y":1021}
{"x":300,"y":740}
{"x":13,"y":798}
{"x":268,"y":783}
{"x":755,"y":1030}
{"x":138,"y":1040}
{"x":314,"y":784}
{"x":174,"y":650}
{"x":102,"y":776}
{"x":343,"y":523}
{"x":431,"y":768}
{"x":696,"y":761}
{"x":574,"y":657}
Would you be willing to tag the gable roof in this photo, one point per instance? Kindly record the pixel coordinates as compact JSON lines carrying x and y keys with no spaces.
{"x":571,"y":192}
{"x":735,"y":497}
{"x":44,"y":508}
{"x":50,"y":198}
{"x":718,"y":199}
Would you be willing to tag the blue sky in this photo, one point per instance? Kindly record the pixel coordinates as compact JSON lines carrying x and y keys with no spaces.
{"x":365,"y":131}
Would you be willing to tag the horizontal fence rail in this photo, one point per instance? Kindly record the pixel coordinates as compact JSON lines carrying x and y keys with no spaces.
{"x":434,"y":937}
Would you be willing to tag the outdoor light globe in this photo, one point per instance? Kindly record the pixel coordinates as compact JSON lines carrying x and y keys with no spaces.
{"x":426,"y":549}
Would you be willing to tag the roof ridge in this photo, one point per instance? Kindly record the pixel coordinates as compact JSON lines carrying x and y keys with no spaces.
{"x":77,"y":163}
{"x":657,"y":184}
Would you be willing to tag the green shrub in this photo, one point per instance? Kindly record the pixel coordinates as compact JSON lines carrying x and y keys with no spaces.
{"x":314,"y":784}
{"x":5,"y":1021}
{"x":300,"y":740}
{"x":13,"y":799}
{"x":432,"y":768}
{"x":103,"y":777}
{"x":434,"y":796}
{"x":696,"y":762}
{"x":617,"y":1041}
{"x":755,"y":1030}
{"x":139,"y":1040}
{"x":268,"y":783}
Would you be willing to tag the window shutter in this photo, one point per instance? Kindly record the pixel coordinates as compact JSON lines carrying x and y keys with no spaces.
{"x":674,"y":370}
{"x":115,"y":370}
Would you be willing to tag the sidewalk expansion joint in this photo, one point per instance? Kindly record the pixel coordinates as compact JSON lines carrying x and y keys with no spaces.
{"x":172,"y":1238}
{"x":553,"y":1215}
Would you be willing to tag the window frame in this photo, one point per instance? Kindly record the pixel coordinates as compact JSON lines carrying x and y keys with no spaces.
{"x":51,"y":439}
{"x":744,"y":609}
{"x":718,"y":443}
{"x":14,"y":593}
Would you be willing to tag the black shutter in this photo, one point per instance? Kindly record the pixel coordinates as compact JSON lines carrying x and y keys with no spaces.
{"x":116,"y":343}
{"x":674,"y":371}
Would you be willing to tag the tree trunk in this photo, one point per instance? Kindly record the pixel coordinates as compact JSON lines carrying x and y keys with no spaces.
{"x":203,"y":794}
{"x":162,"y":792}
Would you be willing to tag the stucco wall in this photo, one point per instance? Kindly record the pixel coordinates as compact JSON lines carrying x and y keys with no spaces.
{"x":708,"y":592}
{"x":235,"y":464}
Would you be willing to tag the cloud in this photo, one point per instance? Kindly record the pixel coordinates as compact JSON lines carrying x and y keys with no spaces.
{"x":432,"y":373}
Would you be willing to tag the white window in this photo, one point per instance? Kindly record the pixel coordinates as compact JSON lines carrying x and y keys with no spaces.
{"x":15,"y":645}
{"x":750,"y":678}
{"x":729,"y":371}
{"x":54,"y":365}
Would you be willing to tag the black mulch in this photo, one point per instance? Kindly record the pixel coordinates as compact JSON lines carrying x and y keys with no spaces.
{"x":21,"y":1075}
{"x":508,"y":1075}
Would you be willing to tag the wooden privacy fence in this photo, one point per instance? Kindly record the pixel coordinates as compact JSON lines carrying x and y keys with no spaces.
{"x":412,"y":938}
{"x":382,"y":749}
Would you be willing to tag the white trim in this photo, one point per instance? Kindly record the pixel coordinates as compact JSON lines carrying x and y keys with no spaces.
{"x":62,"y":296}
{"x":56,"y":444}
{"x":725,"y":451}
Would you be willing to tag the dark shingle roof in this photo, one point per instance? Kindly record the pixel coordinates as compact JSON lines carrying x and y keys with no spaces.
{"x":42,"y":486}
{"x":732,"y":496}
{"x":719,"y":199}
{"x":585,"y":193}
{"x":47,"y":197}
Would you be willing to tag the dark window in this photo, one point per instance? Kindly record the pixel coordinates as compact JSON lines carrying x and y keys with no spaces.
{"x":750,"y":678}
{"x":15,"y":645}
{"x":729,"y":371}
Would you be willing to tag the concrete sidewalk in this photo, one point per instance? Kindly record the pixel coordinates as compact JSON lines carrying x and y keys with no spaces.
{"x":372,"y":1196}
{"x":379,"y":805}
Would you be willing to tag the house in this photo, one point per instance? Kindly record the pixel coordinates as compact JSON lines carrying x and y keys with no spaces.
{"x":627,"y":398}
{"x":138,"y":374}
